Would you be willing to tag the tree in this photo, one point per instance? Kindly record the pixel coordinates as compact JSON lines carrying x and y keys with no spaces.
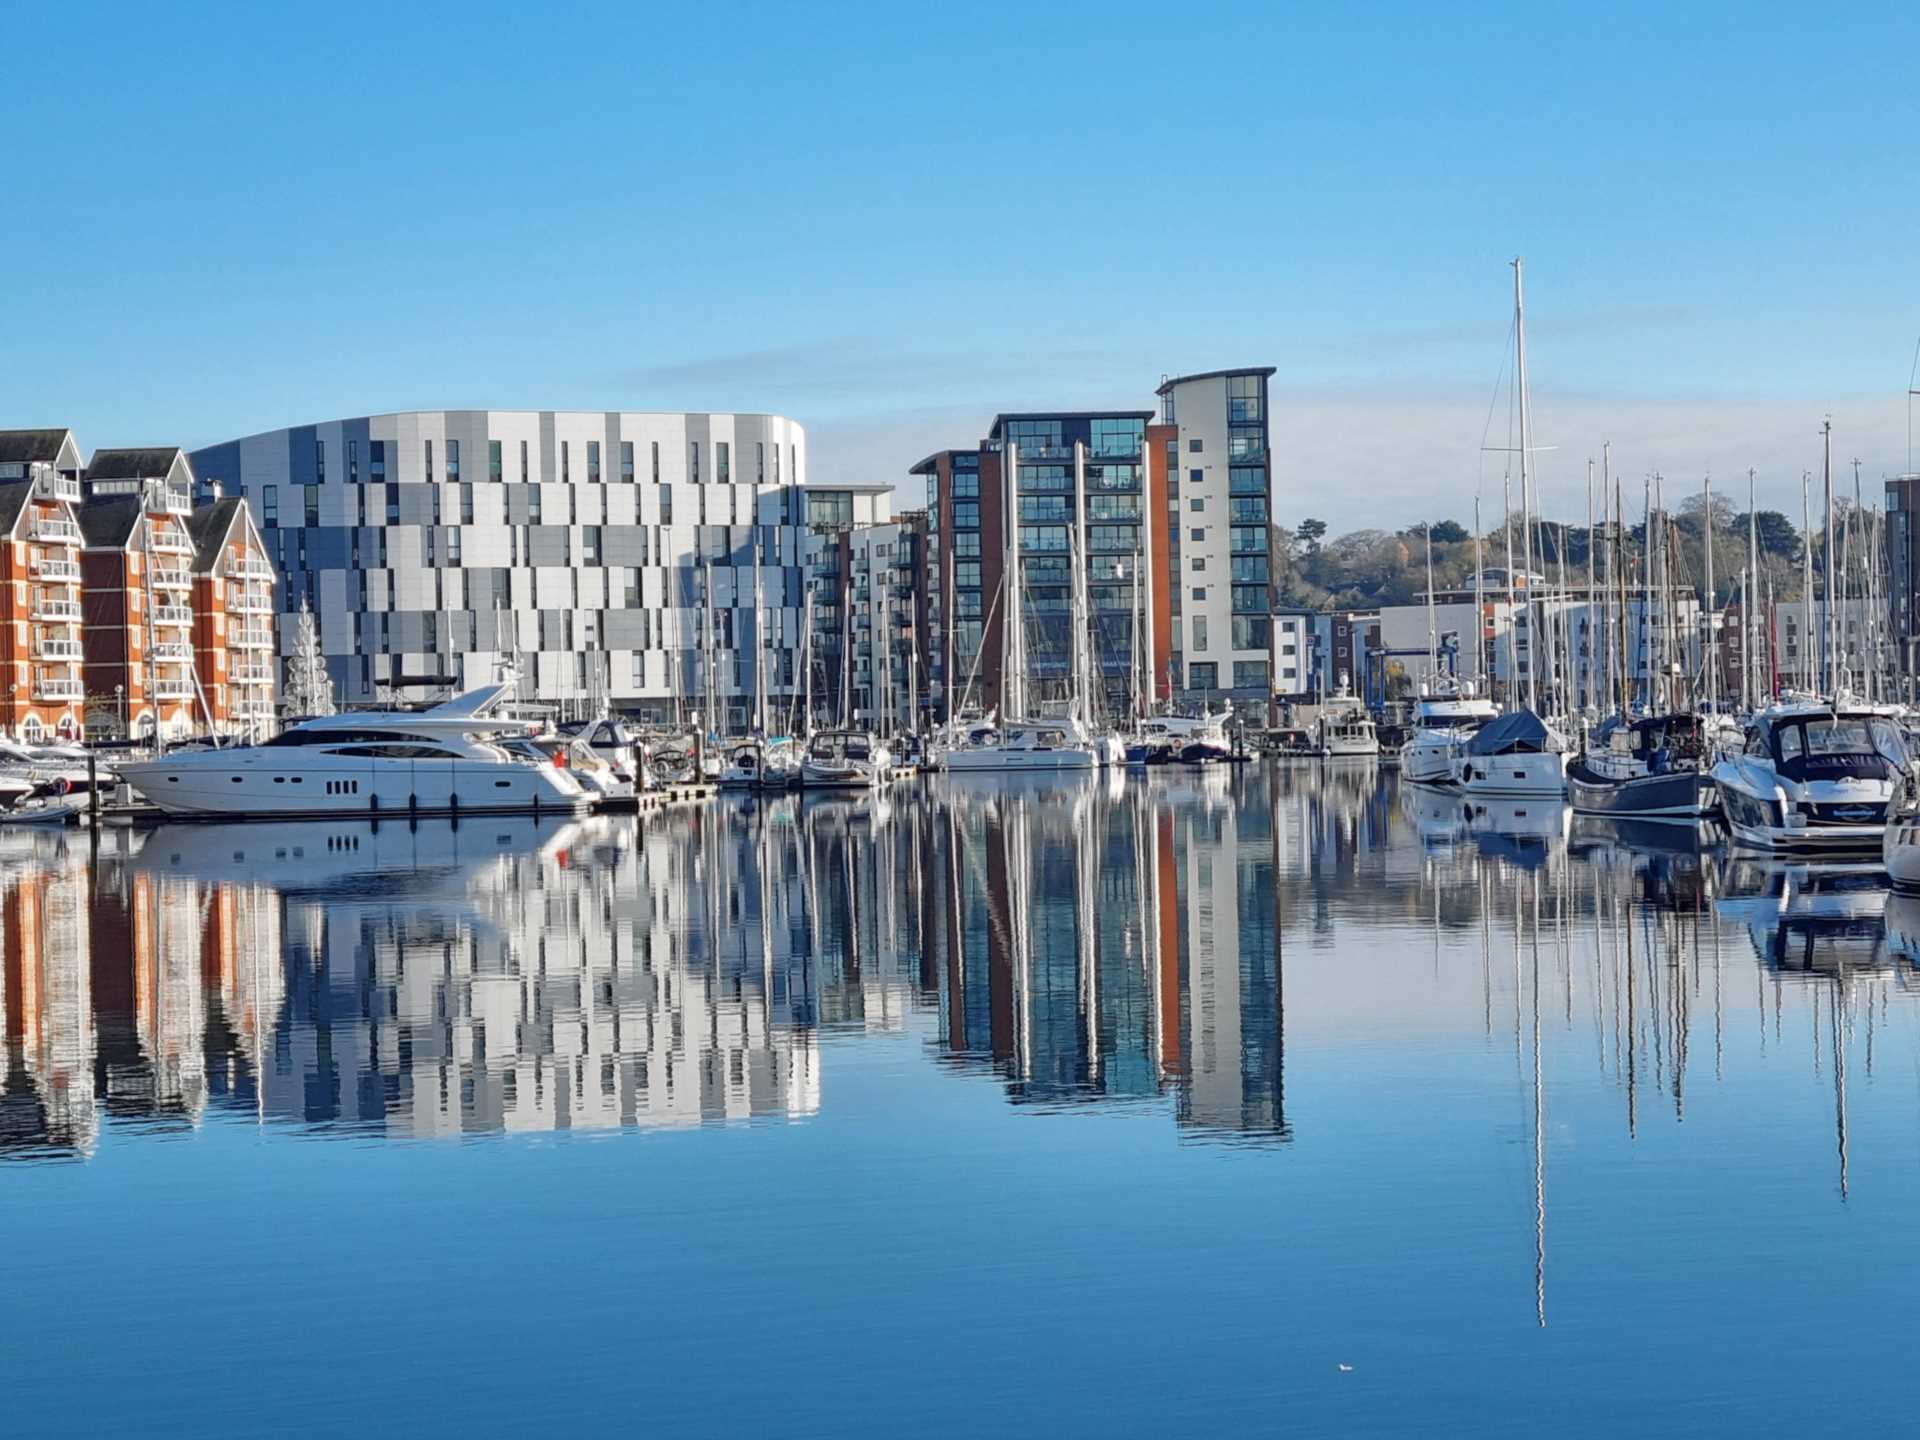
{"x":309,"y":687}
{"x":1311,"y":533}
{"x":1778,"y":535}
{"x":1449,"y":532}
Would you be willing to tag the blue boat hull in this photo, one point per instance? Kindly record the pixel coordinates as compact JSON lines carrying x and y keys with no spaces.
{"x":1684,"y":795}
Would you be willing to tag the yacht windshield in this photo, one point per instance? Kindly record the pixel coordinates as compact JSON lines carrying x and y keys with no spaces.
{"x":1842,"y":735}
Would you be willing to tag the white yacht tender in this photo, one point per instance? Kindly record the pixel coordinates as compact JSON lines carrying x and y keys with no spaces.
{"x":1517,"y":754}
{"x":366,"y":763}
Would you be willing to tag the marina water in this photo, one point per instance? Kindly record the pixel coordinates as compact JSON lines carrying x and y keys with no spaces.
{"x":1272,"y":1098}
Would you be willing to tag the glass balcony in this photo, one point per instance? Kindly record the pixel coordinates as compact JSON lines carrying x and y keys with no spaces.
{"x":52,"y":485}
{"x":249,"y":569}
{"x":48,"y":647}
{"x":57,"y":687}
{"x":171,"y":577}
{"x":47,"y":567}
{"x":168,"y":541}
{"x":55,"y":532}
{"x":242,"y":603}
{"x":172,"y":615}
{"x":173,"y":689}
{"x":173,"y":651}
{"x":251,"y":638}
{"x":47,"y":607}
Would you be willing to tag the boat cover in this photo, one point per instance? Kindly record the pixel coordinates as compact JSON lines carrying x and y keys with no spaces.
{"x":1517,"y":730}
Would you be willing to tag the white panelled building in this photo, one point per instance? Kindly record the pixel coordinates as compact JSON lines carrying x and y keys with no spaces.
{"x":614,"y":555}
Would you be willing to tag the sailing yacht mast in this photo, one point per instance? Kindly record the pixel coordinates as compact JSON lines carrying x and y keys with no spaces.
{"x":1832,"y":667}
{"x":1587,"y":675}
{"x":1080,"y":705}
{"x":1479,"y":602}
{"x":1013,"y":685}
{"x":1712,"y":667}
{"x":1433,"y":635}
{"x":1526,"y":475}
{"x":1749,"y":645}
{"x":1806,"y":585}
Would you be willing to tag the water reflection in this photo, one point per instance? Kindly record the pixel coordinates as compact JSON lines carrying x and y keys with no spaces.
{"x":1098,"y":941}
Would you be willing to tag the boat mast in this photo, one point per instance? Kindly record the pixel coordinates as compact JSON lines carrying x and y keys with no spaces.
{"x":1013,"y":692}
{"x":1712,"y":666}
{"x":1513,"y":640}
{"x":1479,"y":601}
{"x":1617,"y":557}
{"x":1827,"y":630}
{"x":1648,"y":637}
{"x":1806,"y":585}
{"x":1433,"y":635}
{"x":1587,"y":675}
{"x":1749,"y":645}
{"x":1145,"y":648}
{"x":1080,"y":704}
{"x":1526,"y":476}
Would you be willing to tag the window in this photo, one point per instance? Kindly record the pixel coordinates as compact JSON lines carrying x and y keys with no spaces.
{"x":453,"y":460}
{"x":1199,"y":593}
{"x":593,"y":462}
{"x":1199,"y":646}
{"x":1252,"y":632}
{"x":1197,"y":536}
{"x":466,"y":504}
{"x":1250,"y":675}
{"x":523,"y":462}
{"x":966,"y":485}
{"x":693,"y":462}
{"x":496,"y":471}
{"x":666,"y":496}
{"x":270,"y":506}
{"x":376,"y":460}
{"x":1245,"y":442}
{"x":967,"y":516}
{"x":1248,"y":540}
{"x":1196,"y":477}
{"x":319,"y":462}
{"x":453,"y":548}
{"x":760,"y":463}
{"x":1247,"y":480}
{"x":393,"y":504}
{"x":626,"y":462}
{"x":1248,"y":510}
{"x":656,"y":462}
{"x":533,"y":504}
{"x":722,"y":462}
{"x":312,"y":517}
{"x":1199,"y":562}
{"x":429,"y":451}
{"x":590,"y":545}
{"x":1245,"y":403}
{"x":1196,"y":503}
{"x":1203,"y":675}
{"x":353,"y":461}
{"x":566,"y":463}
{"x":1193,"y":447}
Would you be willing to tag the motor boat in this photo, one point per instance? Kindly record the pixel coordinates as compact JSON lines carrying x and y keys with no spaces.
{"x":1024,"y":745}
{"x":1189,"y":739}
{"x":1659,"y":768}
{"x":594,"y":775}
{"x":610,"y":739}
{"x":1444,"y":719}
{"x":744,"y":768}
{"x":1345,"y":730}
{"x":439,"y":761}
{"x":844,"y":759}
{"x":1814,"y":778}
{"x":1515,"y":754}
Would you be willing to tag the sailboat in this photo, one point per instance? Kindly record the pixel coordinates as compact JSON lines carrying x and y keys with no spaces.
{"x":1519,"y":753}
{"x":1020,"y":742}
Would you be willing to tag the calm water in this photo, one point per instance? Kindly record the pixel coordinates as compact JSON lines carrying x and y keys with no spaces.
{"x":1280,"y":1100}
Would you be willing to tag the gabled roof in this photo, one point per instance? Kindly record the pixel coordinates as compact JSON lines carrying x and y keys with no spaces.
{"x":146,"y":463}
{"x":209,"y":526}
{"x":108,"y":523}
{"x":29,"y":446}
{"x":13,"y":499}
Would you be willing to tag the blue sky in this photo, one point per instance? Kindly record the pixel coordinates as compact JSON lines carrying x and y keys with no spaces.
{"x":890,"y":222}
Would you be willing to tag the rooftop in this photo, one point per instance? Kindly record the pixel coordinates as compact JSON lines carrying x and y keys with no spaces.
{"x":1265,"y":372}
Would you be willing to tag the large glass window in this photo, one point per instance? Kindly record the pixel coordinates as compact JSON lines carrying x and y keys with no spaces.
{"x":966,"y":516}
{"x":1245,"y":442}
{"x":1203,"y":675}
{"x":1044,"y":538}
{"x":1044,"y":507}
{"x":1116,"y":437}
{"x":1250,"y":675}
{"x":496,"y":468}
{"x":1245,"y":399}
{"x":1113,"y":507}
{"x":1248,"y":510}
{"x":1247,"y":480}
{"x":966,"y":484}
{"x":453,"y":459}
{"x":593,"y":462}
{"x":723,"y":462}
{"x":1252,"y":632}
{"x":270,"y":506}
{"x":1248,"y":540}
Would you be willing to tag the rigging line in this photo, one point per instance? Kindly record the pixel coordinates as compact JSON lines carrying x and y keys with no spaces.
{"x":1493,"y":401}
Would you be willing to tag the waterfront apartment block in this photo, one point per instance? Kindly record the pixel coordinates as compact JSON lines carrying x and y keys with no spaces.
{"x":107,"y":627}
{"x":1174,"y":510}
{"x":610,"y":556}
{"x":233,"y":617}
{"x":40,"y":648}
{"x":869,"y":610}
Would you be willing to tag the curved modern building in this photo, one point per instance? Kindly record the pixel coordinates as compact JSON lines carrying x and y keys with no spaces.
{"x":612,"y":554}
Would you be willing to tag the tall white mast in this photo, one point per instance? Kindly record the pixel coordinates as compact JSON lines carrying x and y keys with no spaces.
{"x":1081,"y":704}
{"x":1479,"y":604}
{"x":1712,"y":667}
{"x":1806,"y":585}
{"x":1013,"y":685}
{"x":1433,"y":634}
{"x":1606,"y":611}
{"x":1647,"y":632}
{"x":1587,"y":675}
{"x":1829,"y":637}
{"x":1534,"y":647}
{"x":1147,"y":696}
{"x":1749,"y":602}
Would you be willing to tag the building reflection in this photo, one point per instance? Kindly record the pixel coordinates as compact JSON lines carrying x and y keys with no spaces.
{"x":1104,"y":942}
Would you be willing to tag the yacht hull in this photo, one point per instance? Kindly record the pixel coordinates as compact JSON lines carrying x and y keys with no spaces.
{"x":992,"y":757}
{"x":1528,"y":773}
{"x":1684,"y":795}
{"x":260,"y":784}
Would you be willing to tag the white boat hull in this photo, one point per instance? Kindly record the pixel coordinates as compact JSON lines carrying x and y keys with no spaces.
{"x":267,"y":782}
{"x":1527,"y":773}
{"x":994,"y":757}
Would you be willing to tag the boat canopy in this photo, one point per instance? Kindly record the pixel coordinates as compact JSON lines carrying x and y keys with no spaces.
{"x":1516,"y":730}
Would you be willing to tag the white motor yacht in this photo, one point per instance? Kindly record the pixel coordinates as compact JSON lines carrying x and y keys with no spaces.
{"x":844,"y":759}
{"x":1189,"y":739}
{"x":1517,"y":754}
{"x":1444,"y":719}
{"x":1814,"y":777}
{"x":439,"y":761}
